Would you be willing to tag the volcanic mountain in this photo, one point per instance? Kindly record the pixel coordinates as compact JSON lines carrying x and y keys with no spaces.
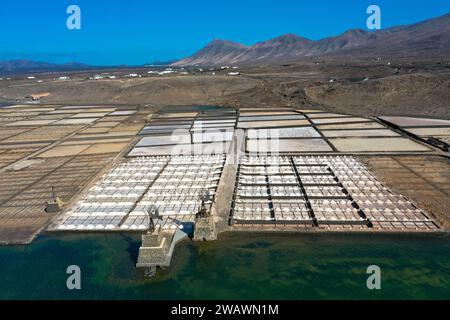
{"x":430,"y":37}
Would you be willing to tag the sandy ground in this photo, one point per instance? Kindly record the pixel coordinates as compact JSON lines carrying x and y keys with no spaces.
{"x":425,"y":180}
{"x":377,"y":144}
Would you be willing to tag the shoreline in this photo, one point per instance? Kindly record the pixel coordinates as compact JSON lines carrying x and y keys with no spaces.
{"x":275,"y":233}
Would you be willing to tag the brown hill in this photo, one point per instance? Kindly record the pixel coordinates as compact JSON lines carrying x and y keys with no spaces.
{"x":430,"y":37}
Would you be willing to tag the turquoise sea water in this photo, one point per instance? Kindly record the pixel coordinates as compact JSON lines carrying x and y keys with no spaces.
{"x":238,"y":266}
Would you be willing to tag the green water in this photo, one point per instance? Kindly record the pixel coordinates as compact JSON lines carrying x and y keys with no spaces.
{"x":312,"y":266}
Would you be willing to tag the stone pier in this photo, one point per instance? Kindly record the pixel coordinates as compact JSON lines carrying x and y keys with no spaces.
{"x":157,"y":248}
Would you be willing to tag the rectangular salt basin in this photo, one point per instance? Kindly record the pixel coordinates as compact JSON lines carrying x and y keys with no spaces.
{"x":376,"y":145}
{"x":30,"y":123}
{"x":31,"y":109}
{"x":272,"y":117}
{"x":85,"y":107}
{"x":360,"y":133}
{"x":201,"y":124}
{"x":365,"y":125}
{"x":117,"y":134}
{"x":416,"y":122}
{"x":288,"y":145}
{"x":75,"y":121}
{"x":178,"y":115}
{"x":326,"y":115}
{"x":340,"y":120}
{"x":107,"y":110}
{"x":104,"y":148}
{"x":17,"y":106}
{"x":158,"y":132}
{"x":271,"y":124}
{"x":430,"y":131}
{"x":110,"y":118}
{"x":181,"y":149}
{"x":266,"y":113}
{"x":217,"y":115}
{"x":123,"y":113}
{"x":172,"y":127}
{"x":105,"y":124}
{"x":215,"y":121}
{"x":154,"y":123}
{"x":90,"y":115}
{"x":73,"y":111}
{"x":165,"y":129}
{"x":63,"y":151}
{"x":163,"y":140}
{"x":310,"y":110}
{"x":296,"y":132}
{"x":213,"y":136}
{"x":91,"y":141}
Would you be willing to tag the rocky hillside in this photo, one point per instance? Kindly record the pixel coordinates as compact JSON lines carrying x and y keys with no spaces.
{"x":430,"y":37}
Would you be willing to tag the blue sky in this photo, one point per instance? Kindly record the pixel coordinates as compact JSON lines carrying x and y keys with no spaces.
{"x":139,"y":31}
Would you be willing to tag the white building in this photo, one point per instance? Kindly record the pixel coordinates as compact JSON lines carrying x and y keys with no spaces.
{"x":96,"y":77}
{"x":166,"y":72}
{"x":62,"y":78}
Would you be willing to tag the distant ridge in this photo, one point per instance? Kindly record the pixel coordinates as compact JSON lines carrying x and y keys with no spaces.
{"x":29,"y":66}
{"x":430,"y":37}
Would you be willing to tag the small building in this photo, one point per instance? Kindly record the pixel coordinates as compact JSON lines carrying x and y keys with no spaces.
{"x":96,"y":77}
{"x":62,"y":78}
{"x":166,"y":72}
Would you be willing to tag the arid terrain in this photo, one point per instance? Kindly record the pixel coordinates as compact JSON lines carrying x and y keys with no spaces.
{"x":365,"y":87}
